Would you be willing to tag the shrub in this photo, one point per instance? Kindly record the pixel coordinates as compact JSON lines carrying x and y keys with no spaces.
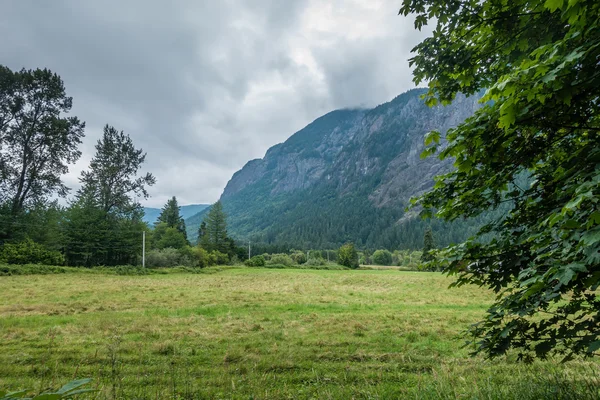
{"x":299,"y":257}
{"x":219,"y":258}
{"x":382,"y":257}
{"x":200,"y":257}
{"x":347,"y":256}
{"x":316,"y":261}
{"x":256,"y":261}
{"x":282,"y":259}
{"x":165,"y":258}
{"x":29,"y":252}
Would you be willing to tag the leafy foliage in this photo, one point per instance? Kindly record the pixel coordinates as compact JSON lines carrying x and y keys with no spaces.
{"x":29,"y":252}
{"x":256,"y":261}
{"x":164,"y":236}
{"x":348,"y":256}
{"x":539,"y":63}
{"x":36,"y":141}
{"x":382,"y":257}
{"x":68,"y":391}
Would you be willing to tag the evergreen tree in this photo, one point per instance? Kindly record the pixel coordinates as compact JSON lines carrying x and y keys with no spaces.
{"x":215,"y":237}
{"x":170,"y":216}
{"x":202,"y":235}
{"x":104,"y":223}
{"x":112,"y":179}
{"x":428,"y":245}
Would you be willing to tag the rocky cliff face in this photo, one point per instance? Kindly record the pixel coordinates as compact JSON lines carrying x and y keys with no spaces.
{"x":346,"y":176}
{"x":301,"y":161}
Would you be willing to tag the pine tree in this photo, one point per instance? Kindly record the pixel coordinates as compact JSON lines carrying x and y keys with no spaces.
{"x":202,"y":236}
{"x":216,"y":229}
{"x":170,"y":216}
{"x":428,"y":245}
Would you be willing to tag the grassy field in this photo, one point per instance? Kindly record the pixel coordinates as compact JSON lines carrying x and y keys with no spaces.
{"x":262,"y":334}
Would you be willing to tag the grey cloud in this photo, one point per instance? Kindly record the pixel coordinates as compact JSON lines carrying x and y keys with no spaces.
{"x":204,"y":86}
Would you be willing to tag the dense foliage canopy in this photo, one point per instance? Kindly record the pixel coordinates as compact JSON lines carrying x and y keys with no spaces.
{"x":538,"y":64}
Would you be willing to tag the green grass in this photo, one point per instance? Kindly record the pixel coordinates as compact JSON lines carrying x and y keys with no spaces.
{"x":262,"y":333}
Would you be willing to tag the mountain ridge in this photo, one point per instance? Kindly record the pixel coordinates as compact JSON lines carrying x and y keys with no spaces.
{"x":347,"y":176}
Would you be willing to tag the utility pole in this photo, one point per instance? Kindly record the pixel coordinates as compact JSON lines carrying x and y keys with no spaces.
{"x":143,"y":249}
{"x":249,"y":250}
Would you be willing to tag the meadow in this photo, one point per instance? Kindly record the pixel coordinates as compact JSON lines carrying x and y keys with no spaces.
{"x":255,"y":333}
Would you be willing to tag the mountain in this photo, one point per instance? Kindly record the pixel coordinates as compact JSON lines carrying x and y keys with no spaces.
{"x":347,"y":176}
{"x":151,"y":214}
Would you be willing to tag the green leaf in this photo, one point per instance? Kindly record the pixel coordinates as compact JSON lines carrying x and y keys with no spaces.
{"x":565,"y":275}
{"x":73,"y":385}
{"x":591,"y":237}
{"x":48,"y":396}
{"x":433,"y":136}
{"x":594,"y":346}
{"x":571,"y":224}
{"x":17,"y":394}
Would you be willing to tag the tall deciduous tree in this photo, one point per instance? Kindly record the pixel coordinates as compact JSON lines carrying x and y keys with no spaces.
{"x":170,"y":216}
{"x":538,"y":61}
{"x":37,"y":142}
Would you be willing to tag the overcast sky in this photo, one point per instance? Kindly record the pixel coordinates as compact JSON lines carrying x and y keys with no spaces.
{"x":205,"y":86}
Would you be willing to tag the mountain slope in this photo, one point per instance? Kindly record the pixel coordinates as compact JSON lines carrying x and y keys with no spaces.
{"x":151,"y":214}
{"x":347,"y":176}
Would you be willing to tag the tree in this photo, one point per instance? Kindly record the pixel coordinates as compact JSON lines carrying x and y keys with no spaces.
{"x":105,"y":220}
{"x":170,"y":216}
{"x":215,"y":237}
{"x":36,"y":141}
{"x":112,"y":177}
{"x":347,"y":256}
{"x":428,"y":245}
{"x":165,"y":236}
{"x":538,"y":64}
{"x":202,"y":237}
{"x":382,"y":257}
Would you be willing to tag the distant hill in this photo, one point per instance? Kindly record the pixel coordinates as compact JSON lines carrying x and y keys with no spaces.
{"x":347,"y":176}
{"x":151,"y":214}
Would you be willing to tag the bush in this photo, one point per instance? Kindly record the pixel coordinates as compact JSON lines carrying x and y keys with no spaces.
{"x":347,"y":256}
{"x":299,"y":257}
{"x":256,"y":261}
{"x":167,"y":258}
{"x":382,"y":257}
{"x":282,"y":259}
{"x":200,"y":257}
{"x":29,"y":252}
{"x":316,"y":261}
{"x":218,"y":258}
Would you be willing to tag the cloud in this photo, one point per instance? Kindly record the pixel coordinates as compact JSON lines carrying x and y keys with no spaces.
{"x":205,"y":86}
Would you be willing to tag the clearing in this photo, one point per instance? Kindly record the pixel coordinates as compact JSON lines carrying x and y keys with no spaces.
{"x":264,"y":334}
